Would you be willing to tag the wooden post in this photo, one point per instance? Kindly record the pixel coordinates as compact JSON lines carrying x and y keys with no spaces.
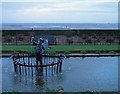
{"x":23,"y":58}
{"x":31,"y":70}
{"x":14,"y":66}
{"x":31,"y":58}
{"x":20,"y":69}
{"x":28,"y":71}
{"x":44,"y":61}
{"x":19,"y":59}
{"x":25,"y":69}
{"x":52,"y":69}
{"x":49,"y":68}
{"x":28,"y":59}
{"x":46,"y":71}
{"x":57,"y":67}
{"x":60,"y":69}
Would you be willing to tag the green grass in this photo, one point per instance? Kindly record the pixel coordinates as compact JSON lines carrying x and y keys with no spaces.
{"x":65,"y":48}
{"x":84,"y":47}
{"x":18,"y":48}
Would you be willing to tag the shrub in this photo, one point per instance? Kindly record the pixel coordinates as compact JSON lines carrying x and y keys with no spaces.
{"x":83,"y":52}
{"x":97,"y":52}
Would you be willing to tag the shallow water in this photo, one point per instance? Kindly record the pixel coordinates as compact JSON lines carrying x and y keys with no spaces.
{"x":78,"y":74}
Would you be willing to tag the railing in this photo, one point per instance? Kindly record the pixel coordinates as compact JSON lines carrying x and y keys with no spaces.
{"x":25,"y":64}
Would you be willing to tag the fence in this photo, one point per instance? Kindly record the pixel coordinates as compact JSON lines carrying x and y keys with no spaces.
{"x":25,"y":64}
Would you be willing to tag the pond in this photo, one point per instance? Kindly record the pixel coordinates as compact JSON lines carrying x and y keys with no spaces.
{"x":78,"y":75}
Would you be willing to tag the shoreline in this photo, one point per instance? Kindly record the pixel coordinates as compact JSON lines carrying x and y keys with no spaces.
{"x":70,"y":55}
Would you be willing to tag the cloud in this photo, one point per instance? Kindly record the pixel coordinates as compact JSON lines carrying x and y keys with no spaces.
{"x":61,"y":10}
{"x":59,"y":0}
{"x":73,"y":6}
{"x":38,"y":0}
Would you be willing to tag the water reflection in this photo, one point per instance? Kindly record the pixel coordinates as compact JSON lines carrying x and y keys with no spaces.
{"x":39,"y":79}
{"x":78,"y":74}
{"x":40,"y":82}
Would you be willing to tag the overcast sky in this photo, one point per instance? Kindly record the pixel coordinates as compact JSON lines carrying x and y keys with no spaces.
{"x":60,"y":11}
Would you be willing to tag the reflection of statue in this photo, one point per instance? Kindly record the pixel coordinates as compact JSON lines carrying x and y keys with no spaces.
{"x":39,"y":81}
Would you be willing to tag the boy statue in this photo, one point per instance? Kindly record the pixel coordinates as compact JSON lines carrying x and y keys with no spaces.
{"x":39,"y":48}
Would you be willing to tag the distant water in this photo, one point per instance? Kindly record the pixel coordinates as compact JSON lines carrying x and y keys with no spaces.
{"x":57,"y":26}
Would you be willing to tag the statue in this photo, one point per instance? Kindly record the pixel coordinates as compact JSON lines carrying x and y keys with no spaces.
{"x":41,"y":44}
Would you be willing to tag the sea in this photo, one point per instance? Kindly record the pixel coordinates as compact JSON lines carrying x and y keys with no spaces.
{"x":58,"y":26}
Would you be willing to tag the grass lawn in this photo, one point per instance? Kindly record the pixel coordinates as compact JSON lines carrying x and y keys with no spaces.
{"x":84,"y":47}
{"x":65,"y":48}
{"x":18,"y":48}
